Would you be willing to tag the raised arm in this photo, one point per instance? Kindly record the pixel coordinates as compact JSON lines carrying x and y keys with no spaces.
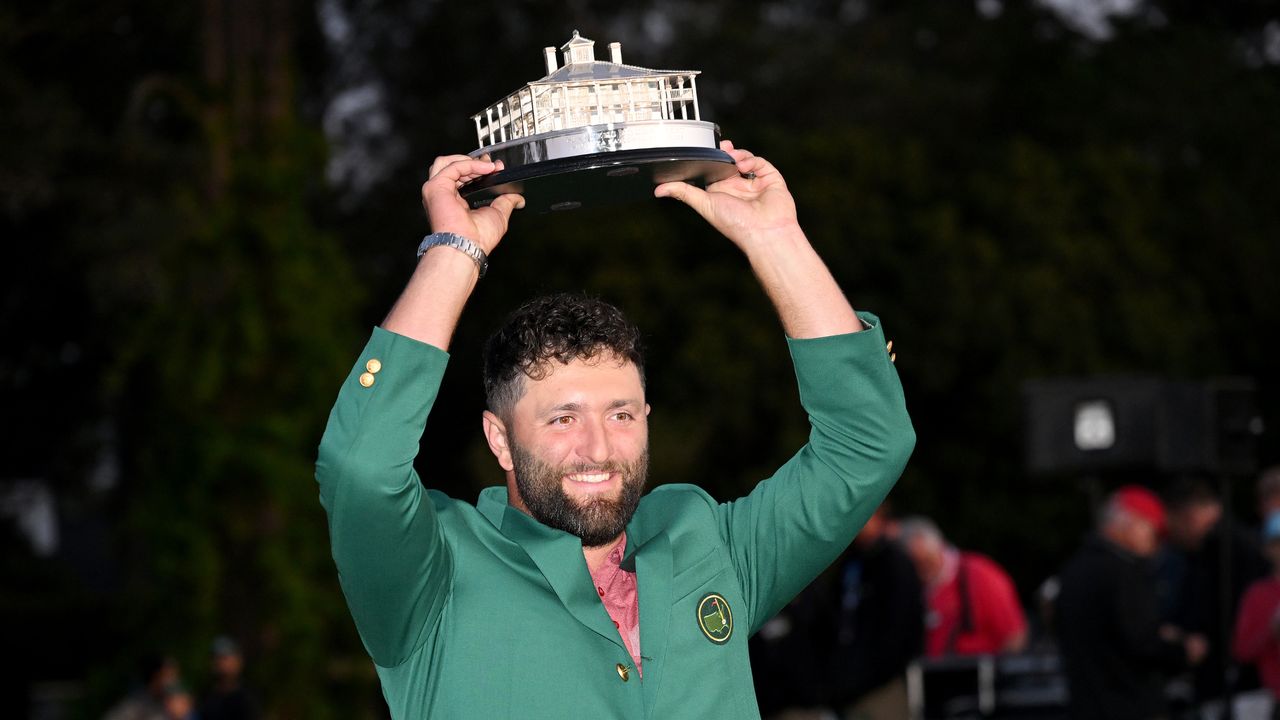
{"x":393,"y":562}
{"x":794,"y":524}
{"x":757,"y":213}
{"x":429,"y":308}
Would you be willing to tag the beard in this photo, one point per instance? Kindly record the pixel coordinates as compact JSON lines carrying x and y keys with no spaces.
{"x":595,"y":520}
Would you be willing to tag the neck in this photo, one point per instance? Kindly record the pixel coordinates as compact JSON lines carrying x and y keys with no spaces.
{"x":597,"y":555}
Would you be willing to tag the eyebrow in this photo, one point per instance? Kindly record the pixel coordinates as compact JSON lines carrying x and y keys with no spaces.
{"x":579,"y":407}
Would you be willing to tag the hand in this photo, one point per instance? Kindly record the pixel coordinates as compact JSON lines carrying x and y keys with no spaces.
{"x":746,"y":208}
{"x":447,"y":211}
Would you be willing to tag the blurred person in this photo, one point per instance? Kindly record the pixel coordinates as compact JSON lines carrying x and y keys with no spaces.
{"x":1256,"y":639}
{"x":539,"y":599}
{"x":880,"y":628}
{"x":788,"y":655}
{"x":841,"y":649}
{"x":178,"y":703}
{"x":1115,"y":651}
{"x":1200,"y":534}
{"x":227,"y":698}
{"x":157,"y":673}
{"x":971,"y":604}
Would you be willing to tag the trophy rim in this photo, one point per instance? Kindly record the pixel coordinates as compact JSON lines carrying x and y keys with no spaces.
{"x":648,"y":167}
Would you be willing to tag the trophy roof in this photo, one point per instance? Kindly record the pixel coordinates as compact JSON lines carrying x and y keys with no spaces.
{"x":602,"y":70}
{"x":577,"y":41}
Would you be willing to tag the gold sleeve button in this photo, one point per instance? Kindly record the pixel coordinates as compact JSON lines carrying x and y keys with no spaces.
{"x":366,"y":379}
{"x":373,"y":366}
{"x":624,"y":672}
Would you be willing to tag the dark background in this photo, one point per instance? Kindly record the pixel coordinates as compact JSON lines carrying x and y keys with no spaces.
{"x":207,"y":205}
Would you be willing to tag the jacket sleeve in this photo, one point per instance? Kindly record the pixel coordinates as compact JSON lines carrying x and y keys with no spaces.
{"x":394,"y":565}
{"x":797,"y":522}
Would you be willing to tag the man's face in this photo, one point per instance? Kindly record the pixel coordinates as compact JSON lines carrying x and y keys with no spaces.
{"x":227,"y":664}
{"x":926,"y":553}
{"x":1190,"y":524}
{"x":1144,"y":539}
{"x":577,"y":443}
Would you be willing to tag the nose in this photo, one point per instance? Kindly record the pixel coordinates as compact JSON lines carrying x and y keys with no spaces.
{"x":595,"y":446}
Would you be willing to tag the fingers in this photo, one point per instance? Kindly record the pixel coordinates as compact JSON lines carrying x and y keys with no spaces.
{"x":460,"y":169}
{"x":733,"y":152}
{"x":444,"y":160}
{"x":506,"y":204}
{"x":749,"y":165}
{"x":695,"y":198}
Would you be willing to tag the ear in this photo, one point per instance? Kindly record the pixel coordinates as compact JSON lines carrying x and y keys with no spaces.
{"x":647,"y":409}
{"x":495,"y":432}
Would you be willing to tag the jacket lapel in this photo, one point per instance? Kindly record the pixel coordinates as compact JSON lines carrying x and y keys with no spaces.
{"x":649,"y":555}
{"x":653,"y":563}
{"x":558,"y":556}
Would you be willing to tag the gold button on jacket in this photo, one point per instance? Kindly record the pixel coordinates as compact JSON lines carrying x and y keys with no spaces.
{"x":366,"y":379}
{"x":374,"y":365}
{"x":623,"y":672}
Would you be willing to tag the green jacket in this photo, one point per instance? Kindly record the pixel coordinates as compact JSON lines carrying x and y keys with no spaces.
{"x":479,"y":611}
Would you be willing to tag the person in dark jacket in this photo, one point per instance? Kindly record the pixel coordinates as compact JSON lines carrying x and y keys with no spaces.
{"x":841,"y":649}
{"x":881,"y":629}
{"x":1201,"y":537}
{"x":228,"y":699}
{"x":1115,"y":652}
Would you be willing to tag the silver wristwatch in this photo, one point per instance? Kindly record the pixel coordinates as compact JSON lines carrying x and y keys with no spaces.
{"x":457,"y":242}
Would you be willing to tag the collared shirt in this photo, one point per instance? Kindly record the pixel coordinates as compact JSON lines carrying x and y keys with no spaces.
{"x":617,"y":590}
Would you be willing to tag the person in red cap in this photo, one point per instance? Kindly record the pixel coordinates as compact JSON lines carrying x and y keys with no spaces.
{"x":1115,"y":652}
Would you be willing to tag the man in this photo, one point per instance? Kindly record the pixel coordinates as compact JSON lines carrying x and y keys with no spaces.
{"x":566,"y":594}
{"x":842,"y":648}
{"x":1200,"y":536}
{"x":881,"y":625}
{"x":227,"y":698}
{"x":972,"y":606}
{"x":1115,"y":652}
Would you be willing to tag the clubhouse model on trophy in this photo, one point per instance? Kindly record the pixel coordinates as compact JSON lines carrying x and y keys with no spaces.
{"x":595,"y":132}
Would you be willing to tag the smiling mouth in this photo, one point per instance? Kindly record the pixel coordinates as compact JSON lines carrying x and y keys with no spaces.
{"x":589,"y":478}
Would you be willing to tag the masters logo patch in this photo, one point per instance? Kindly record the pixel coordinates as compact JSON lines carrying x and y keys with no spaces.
{"x":715,"y":618}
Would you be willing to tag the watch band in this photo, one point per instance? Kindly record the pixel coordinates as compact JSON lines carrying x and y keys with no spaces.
{"x":457,"y":242}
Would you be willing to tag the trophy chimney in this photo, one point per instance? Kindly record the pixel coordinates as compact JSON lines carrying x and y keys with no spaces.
{"x":550,"y":54}
{"x":615,"y":53}
{"x":578,"y":50}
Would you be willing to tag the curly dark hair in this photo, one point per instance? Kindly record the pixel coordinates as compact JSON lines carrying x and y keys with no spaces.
{"x":561,"y":328}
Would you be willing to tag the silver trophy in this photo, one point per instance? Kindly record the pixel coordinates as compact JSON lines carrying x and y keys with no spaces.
{"x":594,"y":132}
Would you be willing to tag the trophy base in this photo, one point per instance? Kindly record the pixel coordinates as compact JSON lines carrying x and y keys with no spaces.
{"x":600,"y":179}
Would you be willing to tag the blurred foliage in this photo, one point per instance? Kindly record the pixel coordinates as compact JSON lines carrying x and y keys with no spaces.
{"x":183,"y":291}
